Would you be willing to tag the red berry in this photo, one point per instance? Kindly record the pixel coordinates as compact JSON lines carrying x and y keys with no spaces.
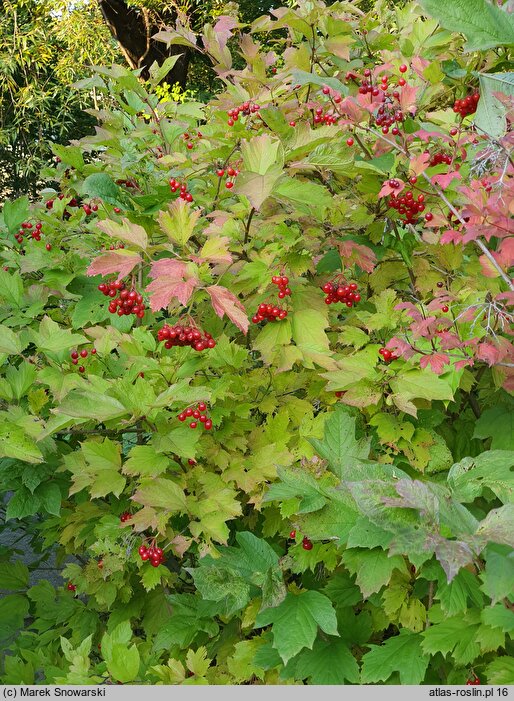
{"x":193,"y":424}
{"x":229,"y":184}
{"x":202,"y":406}
{"x":74,"y":355}
{"x":48,"y":247}
{"x":220,"y":172}
{"x":444,"y":309}
{"x":82,"y":368}
{"x":93,"y":351}
{"x":83,"y":353}
{"x":403,"y":68}
{"x":208,"y":425}
{"x":292,"y":535}
{"x":349,"y":142}
{"x":306,"y":544}
{"x":292,"y":124}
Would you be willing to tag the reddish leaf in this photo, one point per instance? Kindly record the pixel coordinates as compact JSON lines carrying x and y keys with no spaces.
{"x":408,"y":98}
{"x":223,"y":29}
{"x":489,"y":353}
{"x":451,"y":236}
{"x":400,"y":347}
{"x":419,"y":163}
{"x":120,"y":261}
{"x":506,"y":253}
{"x":387,"y":189}
{"x":464,"y":363}
{"x":355,"y":254}
{"x":169,"y":283}
{"x":488,"y":269}
{"x":224,"y":302}
{"x":444,"y":179}
{"x":437,"y":362}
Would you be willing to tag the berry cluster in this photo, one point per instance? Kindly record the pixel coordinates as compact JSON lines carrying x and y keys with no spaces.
{"x":90,"y":208}
{"x":269,"y":312}
{"x":112,"y":247}
{"x":125,"y":516}
{"x":191,"y":138}
{"x":387,"y":355}
{"x":231,"y":174}
{"x":321,"y":117}
{"x":339,"y":291}
{"x":182,"y":187}
{"x":179,"y":335}
{"x":153,"y":553}
{"x":35,"y":232}
{"x":306,"y":543}
{"x":72,"y":203}
{"x":467,"y":105}
{"x":439,"y":157}
{"x":76,"y":355}
{"x":282,"y":281}
{"x":245,"y":109}
{"x":198,"y":415}
{"x":123,"y":301}
{"x":389,"y":114}
{"x":473,"y":682}
{"x":128,"y":183}
{"x":71,"y":587}
{"x":408,"y":204}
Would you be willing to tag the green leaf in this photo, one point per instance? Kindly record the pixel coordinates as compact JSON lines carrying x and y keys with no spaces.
{"x":144,"y":460}
{"x":22,"y":503}
{"x":402,"y":653}
{"x":14,"y":608}
{"x":51,"y":337}
{"x":491,"y":114}
{"x":309,"y":331}
{"x":501,"y":670}
{"x":373,"y":568}
{"x":296,"y":620}
{"x":179,"y":221}
{"x":497,"y":423}
{"x":14,"y":575}
{"x":484,"y":24}
{"x":11,"y":288}
{"x":339,"y":445}
{"x":161,"y":493}
{"x":152,"y":576}
{"x":10,"y":342}
{"x":158,"y":73}
{"x":498,"y":578}
{"x":223,"y":585}
{"x":489,"y":470}
{"x":51,"y":498}
{"x":15,"y":443}
{"x":307,"y":196}
{"x":499,"y":616}
{"x":122,"y":661}
{"x":421,"y":384}
{"x":262,"y":154}
{"x":455,"y":635}
{"x":329,"y":662}
{"x":15,"y":213}
{"x":102,"y":186}
{"x":86,"y":404}
{"x":69,"y":155}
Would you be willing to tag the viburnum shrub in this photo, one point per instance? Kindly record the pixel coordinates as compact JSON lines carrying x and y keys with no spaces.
{"x":347,"y":515}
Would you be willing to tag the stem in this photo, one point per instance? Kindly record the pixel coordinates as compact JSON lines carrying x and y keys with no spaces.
{"x":247,"y":227}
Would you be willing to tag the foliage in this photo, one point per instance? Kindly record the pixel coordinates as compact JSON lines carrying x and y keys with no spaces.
{"x":348,"y":516}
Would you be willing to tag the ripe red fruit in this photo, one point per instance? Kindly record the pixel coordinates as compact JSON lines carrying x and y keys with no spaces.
{"x":230,"y":122}
{"x":48,"y":247}
{"x":403,"y":68}
{"x":82,"y":368}
{"x":349,"y":142}
{"x":190,"y":145}
{"x":429,"y":216}
{"x":191,"y":461}
{"x":402,"y":82}
{"x":306,"y":544}
{"x":220,"y":172}
{"x":292,"y":124}
{"x":444,"y":309}
{"x":74,"y":355}
{"x":193,"y":424}
{"x":71,"y":586}
{"x":117,"y":210}
{"x":292,"y":535}
{"x":202,"y":406}
{"x":208,"y":425}
{"x":93,"y":351}
{"x":83,"y":353}
{"x":229,"y":184}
